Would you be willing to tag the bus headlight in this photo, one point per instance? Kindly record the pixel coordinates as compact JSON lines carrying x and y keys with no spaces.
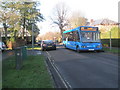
{"x":98,"y":46}
{"x":83,"y":46}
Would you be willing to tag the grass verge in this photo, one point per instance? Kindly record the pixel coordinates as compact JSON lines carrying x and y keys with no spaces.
{"x":35,"y":47}
{"x":33,"y":74}
{"x":113,"y":50}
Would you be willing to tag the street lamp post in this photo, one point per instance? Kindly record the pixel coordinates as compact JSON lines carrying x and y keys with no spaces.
{"x":32,"y":38}
{"x":32,"y":22}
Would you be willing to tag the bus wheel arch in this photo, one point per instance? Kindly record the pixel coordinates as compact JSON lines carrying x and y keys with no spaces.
{"x":77,"y":49}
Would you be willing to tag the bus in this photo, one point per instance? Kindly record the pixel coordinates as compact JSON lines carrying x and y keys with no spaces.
{"x":82,"y":38}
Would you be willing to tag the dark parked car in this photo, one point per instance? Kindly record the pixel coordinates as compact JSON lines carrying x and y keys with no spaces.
{"x":48,"y":44}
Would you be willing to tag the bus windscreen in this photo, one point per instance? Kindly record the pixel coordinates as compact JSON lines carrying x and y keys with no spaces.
{"x":90,"y":37}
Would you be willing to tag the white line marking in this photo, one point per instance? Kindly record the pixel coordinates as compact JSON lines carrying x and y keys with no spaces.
{"x":64,"y":78}
{"x":56,"y":69}
{"x":48,"y":54}
{"x":58,"y":74}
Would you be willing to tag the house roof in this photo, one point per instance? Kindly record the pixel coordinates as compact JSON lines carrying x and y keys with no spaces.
{"x":103,"y":22}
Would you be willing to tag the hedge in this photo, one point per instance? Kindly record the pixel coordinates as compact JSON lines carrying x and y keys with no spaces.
{"x":106,"y":42}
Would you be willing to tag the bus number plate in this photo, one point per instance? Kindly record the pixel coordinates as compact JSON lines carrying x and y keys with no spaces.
{"x":91,"y":49}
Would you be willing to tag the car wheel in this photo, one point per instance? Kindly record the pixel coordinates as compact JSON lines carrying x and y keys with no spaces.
{"x":55,"y":48}
{"x":42,"y":49}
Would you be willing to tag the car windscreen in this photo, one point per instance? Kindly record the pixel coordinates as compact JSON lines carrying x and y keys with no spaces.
{"x":48,"y":41}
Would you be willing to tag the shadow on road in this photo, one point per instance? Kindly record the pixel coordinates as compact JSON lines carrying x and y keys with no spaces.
{"x":62,"y":47}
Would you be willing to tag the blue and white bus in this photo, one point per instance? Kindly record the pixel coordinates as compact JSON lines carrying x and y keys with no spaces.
{"x":83,"y":38}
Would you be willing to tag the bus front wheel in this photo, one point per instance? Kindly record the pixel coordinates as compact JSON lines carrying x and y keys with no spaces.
{"x":65,"y":46}
{"x":77,"y":49}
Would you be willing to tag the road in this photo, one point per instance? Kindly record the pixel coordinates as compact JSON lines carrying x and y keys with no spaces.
{"x":87,"y":69}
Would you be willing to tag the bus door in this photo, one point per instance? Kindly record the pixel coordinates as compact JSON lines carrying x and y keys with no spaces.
{"x":76,"y":39}
{"x":66,"y":40}
{"x":69,"y":43}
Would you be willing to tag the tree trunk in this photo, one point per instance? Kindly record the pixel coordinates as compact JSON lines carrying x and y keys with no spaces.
{"x":15,"y":34}
{"x":5,"y":33}
{"x":24,"y":20}
{"x":23,"y":32}
{"x":61,"y":32}
{"x":5,"y":28}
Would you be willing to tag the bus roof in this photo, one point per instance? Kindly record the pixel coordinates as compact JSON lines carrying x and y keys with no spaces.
{"x":75,"y":29}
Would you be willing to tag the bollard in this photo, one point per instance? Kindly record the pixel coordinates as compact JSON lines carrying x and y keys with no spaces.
{"x":18,"y":58}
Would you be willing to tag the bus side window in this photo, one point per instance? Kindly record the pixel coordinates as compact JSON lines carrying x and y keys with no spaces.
{"x":70,"y":38}
{"x":66,"y":36}
{"x":76,"y":36}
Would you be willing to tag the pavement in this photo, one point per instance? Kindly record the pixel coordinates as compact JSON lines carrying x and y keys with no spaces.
{"x":6,"y":54}
{"x":34,"y":52}
{"x":9,"y":53}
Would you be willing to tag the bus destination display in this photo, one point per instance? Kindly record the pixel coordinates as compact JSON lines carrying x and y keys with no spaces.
{"x":88,"y":29}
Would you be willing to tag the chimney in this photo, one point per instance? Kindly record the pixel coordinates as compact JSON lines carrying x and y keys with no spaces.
{"x":91,"y":21}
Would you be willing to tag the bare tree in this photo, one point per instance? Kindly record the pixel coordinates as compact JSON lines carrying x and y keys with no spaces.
{"x":60,"y":16}
{"x":77,"y":20}
{"x":49,"y":36}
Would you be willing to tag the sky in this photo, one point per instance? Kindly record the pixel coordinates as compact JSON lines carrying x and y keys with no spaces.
{"x":90,"y":9}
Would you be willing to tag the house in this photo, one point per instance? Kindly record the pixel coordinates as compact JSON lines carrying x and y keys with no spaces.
{"x":104,"y":25}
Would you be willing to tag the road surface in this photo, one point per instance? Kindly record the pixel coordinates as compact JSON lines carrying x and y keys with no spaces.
{"x":87,"y":69}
